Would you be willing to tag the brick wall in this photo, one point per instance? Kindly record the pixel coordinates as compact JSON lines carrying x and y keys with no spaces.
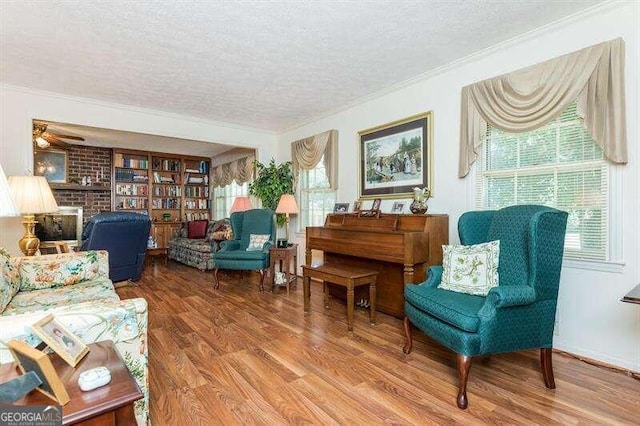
{"x":87,"y":161}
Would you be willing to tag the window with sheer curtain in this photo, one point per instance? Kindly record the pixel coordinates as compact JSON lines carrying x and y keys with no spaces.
{"x":316,"y":196}
{"x":558,"y":165}
{"x":224,"y":197}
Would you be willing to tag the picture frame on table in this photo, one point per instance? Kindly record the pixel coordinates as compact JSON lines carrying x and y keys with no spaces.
{"x":60,"y":340}
{"x":51,"y":164}
{"x":398,"y":207}
{"x":396,"y":157}
{"x":341,"y":208}
{"x":33,"y":360}
{"x":357,"y":206}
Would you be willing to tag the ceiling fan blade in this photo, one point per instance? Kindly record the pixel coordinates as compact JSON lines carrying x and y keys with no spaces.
{"x":53,"y":140}
{"x":59,"y":136}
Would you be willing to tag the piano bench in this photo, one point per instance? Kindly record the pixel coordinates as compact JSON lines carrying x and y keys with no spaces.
{"x":346,"y":276}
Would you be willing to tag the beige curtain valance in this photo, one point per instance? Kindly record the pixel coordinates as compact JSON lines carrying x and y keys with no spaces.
{"x":306,"y":154}
{"x":240,"y":170}
{"x":532,"y":97}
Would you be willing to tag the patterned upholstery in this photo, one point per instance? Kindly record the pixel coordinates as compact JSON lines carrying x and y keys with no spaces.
{"x":91,"y":309}
{"x":200,"y":252}
{"x":507,"y":319}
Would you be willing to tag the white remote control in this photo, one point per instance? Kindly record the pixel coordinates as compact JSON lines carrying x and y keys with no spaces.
{"x":94,"y":378}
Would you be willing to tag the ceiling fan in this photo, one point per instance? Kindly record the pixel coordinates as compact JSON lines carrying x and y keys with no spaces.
{"x":44,"y":139}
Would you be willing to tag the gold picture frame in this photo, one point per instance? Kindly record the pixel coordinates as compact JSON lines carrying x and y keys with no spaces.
{"x":396,"y":157}
{"x":31,"y":359}
{"x":60,"y":340}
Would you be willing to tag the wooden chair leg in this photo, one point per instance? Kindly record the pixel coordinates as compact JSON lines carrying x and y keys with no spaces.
{"x":547,"y":367}
{"x":262,"y":274}
{"x":464,"y":365}
{"x":409,"y":338}
{"x":216,"y":283}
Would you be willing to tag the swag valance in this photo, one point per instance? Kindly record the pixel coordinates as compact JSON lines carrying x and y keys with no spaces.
{"x":306,"y":154}
{"x":240,"y":170}
{"x":532,"y":97}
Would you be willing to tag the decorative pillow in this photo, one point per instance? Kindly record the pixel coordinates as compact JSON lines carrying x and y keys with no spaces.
{"x":219,"y":230}
{"x":470,"y":269}
{"x":256,"y":241}
{"x":9,"y":280}
{"x":197,"y":228}
{"x":57,"y":270}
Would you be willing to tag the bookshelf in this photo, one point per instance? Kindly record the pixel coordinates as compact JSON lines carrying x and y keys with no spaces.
{"x":175,"y":187}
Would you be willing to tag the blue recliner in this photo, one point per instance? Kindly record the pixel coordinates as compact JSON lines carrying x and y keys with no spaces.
{"x":519,"y":313}
{"x":124,"y":235}
{"x":233,"y":254}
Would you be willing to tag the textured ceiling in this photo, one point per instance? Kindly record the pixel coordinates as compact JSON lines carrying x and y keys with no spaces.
{"x":265,"y":64}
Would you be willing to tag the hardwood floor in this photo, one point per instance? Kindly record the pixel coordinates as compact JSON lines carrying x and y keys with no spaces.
{"x":236,"y":356}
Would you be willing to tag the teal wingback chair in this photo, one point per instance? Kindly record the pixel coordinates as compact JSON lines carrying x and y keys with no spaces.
{"x":518,"y":314}
{"x":233,"y":254}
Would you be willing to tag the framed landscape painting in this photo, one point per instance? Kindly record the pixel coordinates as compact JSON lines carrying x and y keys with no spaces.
{"x":396,"y":157}
{"x":52,"y":165}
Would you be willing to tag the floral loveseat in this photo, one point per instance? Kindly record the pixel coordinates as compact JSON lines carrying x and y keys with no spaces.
{"x":199,"y":252}
{"x":75,"y":288}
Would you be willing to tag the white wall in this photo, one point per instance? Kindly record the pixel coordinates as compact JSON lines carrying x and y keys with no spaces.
{"x":592,"y":320}
{"x":19,"y":106}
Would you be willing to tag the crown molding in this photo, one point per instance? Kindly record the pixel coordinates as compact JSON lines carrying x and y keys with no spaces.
{"x":552,"y":26}
{"x":124,"y":107}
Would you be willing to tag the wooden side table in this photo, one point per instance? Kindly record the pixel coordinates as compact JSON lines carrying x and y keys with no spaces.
{"x":284,"y":256}
{"x":111,"y":404}
{"x":153,"y":253}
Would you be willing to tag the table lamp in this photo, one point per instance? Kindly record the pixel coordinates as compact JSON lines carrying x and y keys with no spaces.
{"x":7,"y":205}
{"x":32,"y":195}
{"x":287,"y":205}
{"x":241,"y":204}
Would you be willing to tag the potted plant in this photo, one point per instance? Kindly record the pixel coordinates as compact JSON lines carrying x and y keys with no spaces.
{"x":271,"y":182}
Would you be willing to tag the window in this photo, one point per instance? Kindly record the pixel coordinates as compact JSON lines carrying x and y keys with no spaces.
{"x":316,"y":198}
{"x":558,"y":165}
{"x":224,"y":197}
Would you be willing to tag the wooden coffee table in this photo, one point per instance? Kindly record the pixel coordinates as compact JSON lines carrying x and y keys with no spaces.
{"x":111,"y":404}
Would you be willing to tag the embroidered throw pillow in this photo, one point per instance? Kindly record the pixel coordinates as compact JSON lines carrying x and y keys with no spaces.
{"x":197,"y":228}
{"x":470,"y":269}
{"x":9,"y":280}
{"x":256,"y":241}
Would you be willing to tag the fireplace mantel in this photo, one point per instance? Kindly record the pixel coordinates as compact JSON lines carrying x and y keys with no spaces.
{"x":78,"y":187}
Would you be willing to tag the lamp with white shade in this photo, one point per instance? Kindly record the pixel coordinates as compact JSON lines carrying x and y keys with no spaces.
{"x":7,"y":206}
{"x":32,"y":195}
{"x":287,"y":205}
{"x":241,"y":204}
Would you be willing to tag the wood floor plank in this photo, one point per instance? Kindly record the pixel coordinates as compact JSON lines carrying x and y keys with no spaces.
{"x":239,"y":356}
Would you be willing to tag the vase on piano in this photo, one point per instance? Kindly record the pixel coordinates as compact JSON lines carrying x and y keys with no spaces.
{"x":420,"y":197}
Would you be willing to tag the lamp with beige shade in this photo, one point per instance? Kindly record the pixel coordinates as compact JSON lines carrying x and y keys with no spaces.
{"x":287,"y":205}
{"x":241,"y":204}
{"x":32,"y":195}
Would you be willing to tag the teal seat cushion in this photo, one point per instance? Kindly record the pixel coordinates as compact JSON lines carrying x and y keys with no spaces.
{"x":241,"y":255}
{"x":457,"y":309}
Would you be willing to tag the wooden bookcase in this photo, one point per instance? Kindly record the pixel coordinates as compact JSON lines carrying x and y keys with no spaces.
{"x":168,"y":187}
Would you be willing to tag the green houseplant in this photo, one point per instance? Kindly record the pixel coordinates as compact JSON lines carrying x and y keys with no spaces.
{"x":271,"y":182}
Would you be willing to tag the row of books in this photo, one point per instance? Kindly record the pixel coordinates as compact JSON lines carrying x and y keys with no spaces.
{"x":201,"y":167}
{"x":130,"y":189}
{"x":133,"y":204}
{"x":196,"y":216}
{"x":197,"y":204}
{"x":165,"y":203}
{"x":158,"y":178}
{"x":199,"y":180}
{"x":131,"y":176}
{"x":196,"y":191}
{"x":135,"y":163}
{"x":167,"y":191}
{"x":166,"y":165}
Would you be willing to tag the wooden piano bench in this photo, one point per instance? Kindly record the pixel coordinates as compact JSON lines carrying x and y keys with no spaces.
{"x":346,"y":276}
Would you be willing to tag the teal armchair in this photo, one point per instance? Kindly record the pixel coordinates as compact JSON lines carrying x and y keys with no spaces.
{"x":518,"y":314}
{"x":233,"y":254}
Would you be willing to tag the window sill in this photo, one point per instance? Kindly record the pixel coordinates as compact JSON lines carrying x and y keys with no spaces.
{"x":595,"y":265}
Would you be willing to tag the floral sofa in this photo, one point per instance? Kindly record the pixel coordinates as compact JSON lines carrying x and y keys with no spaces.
{"x":199,"y":252}
{"x":75,"y":288}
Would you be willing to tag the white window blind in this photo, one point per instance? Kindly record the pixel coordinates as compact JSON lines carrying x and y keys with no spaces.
{"x":225,"y":196}
{"x":316,"y":198}
{"x":558,"y":165}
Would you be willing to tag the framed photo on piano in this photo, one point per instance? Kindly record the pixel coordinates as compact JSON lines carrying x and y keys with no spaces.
{"x":396,"y":157}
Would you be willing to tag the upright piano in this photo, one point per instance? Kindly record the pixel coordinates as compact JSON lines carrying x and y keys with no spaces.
{"x":400,"y":247}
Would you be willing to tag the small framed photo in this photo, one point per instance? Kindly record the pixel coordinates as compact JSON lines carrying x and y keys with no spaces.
{"x":341,"y":207}
{"x":376,"y":204}
{"x":62,"y":341}
{"x":357,"y":206}
{"x":398,"y":207}
{"x":32,"y":360}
